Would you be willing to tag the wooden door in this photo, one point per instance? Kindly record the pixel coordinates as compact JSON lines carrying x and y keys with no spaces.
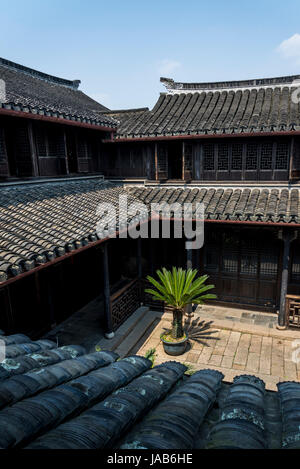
{"x":243,"y":265}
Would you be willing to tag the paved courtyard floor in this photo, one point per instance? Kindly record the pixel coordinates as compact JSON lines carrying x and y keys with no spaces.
{"x":233,"y":341}
{"x":233,"y":346}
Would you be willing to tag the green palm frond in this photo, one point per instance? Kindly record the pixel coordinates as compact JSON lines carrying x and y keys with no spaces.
{"x":179,"y":287}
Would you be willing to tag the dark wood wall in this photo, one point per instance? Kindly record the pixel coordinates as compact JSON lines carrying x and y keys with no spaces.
{"x":50,"y":295}
{"x":128,"y":160}
{"x":34,"y":148}
{"x":228,"y":159}
{"x":33,"y":303}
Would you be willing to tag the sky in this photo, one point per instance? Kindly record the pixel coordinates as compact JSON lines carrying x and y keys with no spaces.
{"x":119,"y":49}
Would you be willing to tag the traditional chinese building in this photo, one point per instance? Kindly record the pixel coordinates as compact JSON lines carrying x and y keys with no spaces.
{"x":233,"y":146}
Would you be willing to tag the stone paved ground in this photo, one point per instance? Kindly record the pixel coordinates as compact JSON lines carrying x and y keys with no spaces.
{"x":85,"y":327}
{"x":213,"y":343}
{"x":234,"y":341}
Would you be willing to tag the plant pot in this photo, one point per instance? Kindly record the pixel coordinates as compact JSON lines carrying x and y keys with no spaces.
{"x":175,"y":348}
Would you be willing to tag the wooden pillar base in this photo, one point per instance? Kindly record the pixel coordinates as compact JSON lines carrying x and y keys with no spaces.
{"x":109,"y":335}
{"x":188,"y":312}
{"x":281,"y":328}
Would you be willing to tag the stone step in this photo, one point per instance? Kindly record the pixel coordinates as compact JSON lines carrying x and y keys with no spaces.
{"x":124,"y":330}
{"x":135,"y":335}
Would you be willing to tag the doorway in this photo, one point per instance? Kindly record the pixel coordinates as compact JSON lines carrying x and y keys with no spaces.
{"x":18,"y":150}
{"x":244,"y":266}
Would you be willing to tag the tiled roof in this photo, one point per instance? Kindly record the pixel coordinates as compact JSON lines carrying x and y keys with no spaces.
{"x":241,"y":204}
{"x":170,"y":84}
{"x":124,"y":114}
{"x":250,"y":106}
{"x":42,"y":221}
{"x":64,"y":398}
{"x":30,"y":91}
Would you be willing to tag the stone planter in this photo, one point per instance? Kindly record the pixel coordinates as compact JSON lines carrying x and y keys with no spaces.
{"x":175,"y":348}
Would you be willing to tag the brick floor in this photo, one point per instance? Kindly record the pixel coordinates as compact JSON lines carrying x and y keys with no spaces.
{"x":234,"y":352}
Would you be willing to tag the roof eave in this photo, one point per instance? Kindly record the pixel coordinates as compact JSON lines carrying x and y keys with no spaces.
{"x":57,"y":120}
{"x":205,"y":136}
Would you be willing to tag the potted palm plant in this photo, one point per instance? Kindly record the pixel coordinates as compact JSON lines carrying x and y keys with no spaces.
{"x":178,"y":289}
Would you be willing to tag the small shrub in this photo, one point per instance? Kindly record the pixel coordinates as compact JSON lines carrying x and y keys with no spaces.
{"x":151,"y":355}
{"x":190,"y":369}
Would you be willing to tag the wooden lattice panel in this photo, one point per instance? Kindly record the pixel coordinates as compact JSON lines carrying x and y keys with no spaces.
{"x":125,"y":302}
{"x":293,"y":310}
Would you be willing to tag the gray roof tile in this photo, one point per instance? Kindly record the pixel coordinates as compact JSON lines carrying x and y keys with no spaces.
{"x":74,"y":400}
{"x":42,"y":221}
{"x":31,"y":91}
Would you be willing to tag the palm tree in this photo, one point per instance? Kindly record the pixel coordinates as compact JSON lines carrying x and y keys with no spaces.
{"x":178,"y":289}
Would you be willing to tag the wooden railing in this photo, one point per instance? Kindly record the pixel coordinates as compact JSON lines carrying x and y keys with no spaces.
{"x":292,"y":310}
{"x":124,"y":302}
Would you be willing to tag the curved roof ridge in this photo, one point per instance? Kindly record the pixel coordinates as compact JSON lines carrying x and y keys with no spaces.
{"x":120,"y":111}
{"x":171,"y":85}
{"x":41,"y":75}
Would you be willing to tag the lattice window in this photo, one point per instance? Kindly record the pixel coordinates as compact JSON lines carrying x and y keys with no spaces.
{"x":81,"y":148}
{"x":296,"y":268}
{"x":230,"y":262}
{"x":56,"y":144}
{"x":22,"y":144}
{"x":162,"y":159}
{"x":91,"y":149}
{"x":237,"y":157}
{"x":249,"y":257}
{"x":41,"y":142}
{"x":249,"y":262}
{"x":208,"y":155}
{"x":188,"y":157}
{"x":282,"y":156}
{"x":251,"y":156}
{"x":125,"y":304}
{"x":223,"y":157}
{"x":211,"y":258}
{"x":268,"y":263}
{"x":230,"y":245}
{"x":2,"y":145}
{"x":292,"y":310}
{"x":266,"y":156}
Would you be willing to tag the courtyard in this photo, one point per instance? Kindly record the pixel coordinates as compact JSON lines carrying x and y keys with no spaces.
{"x":233,"y":349}
{"x":233,"y":341}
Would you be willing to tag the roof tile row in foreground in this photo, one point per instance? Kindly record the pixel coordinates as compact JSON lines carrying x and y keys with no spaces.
{"x":89,"y":401}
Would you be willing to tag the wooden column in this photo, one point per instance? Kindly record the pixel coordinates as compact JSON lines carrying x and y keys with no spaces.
{"x":189,"y":265}
{"x":291,"y":159}
{"x":287,"y":238}
{"x":109,"y":333}
{"x":66,"y":152}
